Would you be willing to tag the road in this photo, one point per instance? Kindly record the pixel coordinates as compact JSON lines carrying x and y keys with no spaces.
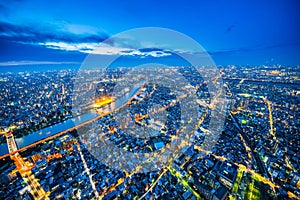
{"x":261,"y":167}
{"x":35,"y":189}
{"x":24,"y":169}
{"x":87,"y":170}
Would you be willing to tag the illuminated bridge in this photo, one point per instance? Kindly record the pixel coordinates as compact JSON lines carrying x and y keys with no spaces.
{"x":24,"y":168}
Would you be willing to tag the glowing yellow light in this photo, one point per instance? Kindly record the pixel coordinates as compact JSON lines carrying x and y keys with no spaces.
{"x":103,"y":101}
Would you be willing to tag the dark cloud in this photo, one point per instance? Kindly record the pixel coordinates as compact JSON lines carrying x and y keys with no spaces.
{"x":229,"y":51}
{"x":279,"y":45}
{"x":150,"y":49}
{"x":255,"y":48}
{"x":41,"y":34}
{"x":230,"y":28}
{"x":12,"y":51}
{"x":127,"y":51}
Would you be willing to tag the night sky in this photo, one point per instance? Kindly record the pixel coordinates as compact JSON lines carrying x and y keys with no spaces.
{"x":233,"y":32}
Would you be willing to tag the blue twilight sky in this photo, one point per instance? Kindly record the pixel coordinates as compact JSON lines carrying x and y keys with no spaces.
{"x":233,"y":32}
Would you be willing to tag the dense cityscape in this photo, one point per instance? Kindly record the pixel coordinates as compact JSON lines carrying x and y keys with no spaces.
{"x":149,"y":100}
{"x":256,"y":156}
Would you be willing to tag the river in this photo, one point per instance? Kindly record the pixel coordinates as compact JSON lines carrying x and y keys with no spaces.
{"x":69,"y":123}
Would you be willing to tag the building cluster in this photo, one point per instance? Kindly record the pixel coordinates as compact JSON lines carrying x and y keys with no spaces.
{"x":34,"y":100}
{"x":267,"y":113}
{"x":256,"y":155}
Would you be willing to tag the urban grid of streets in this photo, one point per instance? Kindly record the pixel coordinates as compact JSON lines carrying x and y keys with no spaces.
{"x":256,"y":156}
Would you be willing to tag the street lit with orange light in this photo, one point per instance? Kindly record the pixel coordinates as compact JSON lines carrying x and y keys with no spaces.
{"x":238,"y":166}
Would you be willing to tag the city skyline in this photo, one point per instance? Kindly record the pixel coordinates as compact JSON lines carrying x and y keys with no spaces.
{"x":149,"y":100}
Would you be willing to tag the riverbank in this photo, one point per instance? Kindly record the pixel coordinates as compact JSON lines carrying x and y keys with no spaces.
{"x":70,"y":124}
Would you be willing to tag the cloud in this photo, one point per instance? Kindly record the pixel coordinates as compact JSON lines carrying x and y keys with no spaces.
{"x":15,"y":63}
{"x":230,"y":28}
{"x":36,"y":34}
{"x":150,"y":49}
{"x":74,"y":37}
{"x":125,"y":51}
{"x":286,"y":44}
{"x":105,"y":49}
{"x":254,"y":48}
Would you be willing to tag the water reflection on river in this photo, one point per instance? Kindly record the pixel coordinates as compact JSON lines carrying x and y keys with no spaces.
{"x":54,"y":129}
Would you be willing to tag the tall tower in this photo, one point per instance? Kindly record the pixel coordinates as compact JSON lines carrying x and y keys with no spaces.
{"x":63,"y":89}
{"x":62,"y":93}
